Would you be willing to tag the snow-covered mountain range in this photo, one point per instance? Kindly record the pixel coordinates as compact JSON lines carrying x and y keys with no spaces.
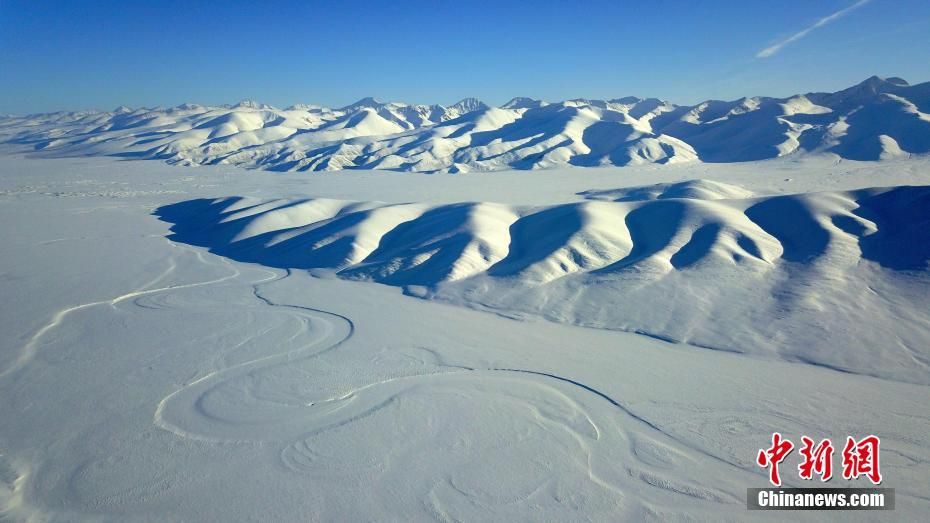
{"x":876,"y":119}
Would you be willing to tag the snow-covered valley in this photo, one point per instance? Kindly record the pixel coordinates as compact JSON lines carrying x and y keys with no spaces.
{"x":214,"y":343}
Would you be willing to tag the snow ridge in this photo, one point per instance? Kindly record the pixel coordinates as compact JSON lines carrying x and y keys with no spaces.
{"x":697,"y":262}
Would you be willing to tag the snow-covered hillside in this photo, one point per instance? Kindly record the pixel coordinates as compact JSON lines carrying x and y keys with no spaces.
{"x":876,"y":119}
{"x":696,"y":262}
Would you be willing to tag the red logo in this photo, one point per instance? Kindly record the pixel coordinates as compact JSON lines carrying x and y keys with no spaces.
{"x":816,"y":460}
{"x":860,"y":458}
{"x":774,"y":455}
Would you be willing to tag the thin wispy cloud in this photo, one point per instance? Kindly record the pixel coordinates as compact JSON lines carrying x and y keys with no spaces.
{"x":774,"y":48}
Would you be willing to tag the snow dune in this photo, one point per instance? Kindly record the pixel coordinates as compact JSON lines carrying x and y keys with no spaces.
{"x":697,"y":262}
{"x":876,"y":119}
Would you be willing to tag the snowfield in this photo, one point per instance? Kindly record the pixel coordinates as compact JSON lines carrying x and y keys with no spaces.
{"x":211,"y":343}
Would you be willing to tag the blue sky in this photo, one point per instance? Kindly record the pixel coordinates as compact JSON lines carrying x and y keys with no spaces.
{"x":100,"y":54}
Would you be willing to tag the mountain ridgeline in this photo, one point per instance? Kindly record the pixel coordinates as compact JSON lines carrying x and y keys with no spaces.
{"x":874,"y":120}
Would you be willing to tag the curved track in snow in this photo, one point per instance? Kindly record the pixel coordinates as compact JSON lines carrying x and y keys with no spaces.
{"x":451,"y":422}
{"x":31,"y":347}
{"x":186,"y":412}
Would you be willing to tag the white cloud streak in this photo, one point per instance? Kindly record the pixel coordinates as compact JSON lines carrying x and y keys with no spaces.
{"x":776,"y":47}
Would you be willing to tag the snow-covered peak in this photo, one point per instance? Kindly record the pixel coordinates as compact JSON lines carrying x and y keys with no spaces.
{"x":861,"y":92}
{"x":246,"y":104}
{"x":626,"y":100}
{"x":189,"y":107}
{"x":467,"y":105}
{"x":368,"y":101}
{"x":875,"y":85}
{"x":522,"y":102}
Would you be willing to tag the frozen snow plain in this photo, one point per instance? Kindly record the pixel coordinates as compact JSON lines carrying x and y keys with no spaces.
{"x":194,"y":343}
